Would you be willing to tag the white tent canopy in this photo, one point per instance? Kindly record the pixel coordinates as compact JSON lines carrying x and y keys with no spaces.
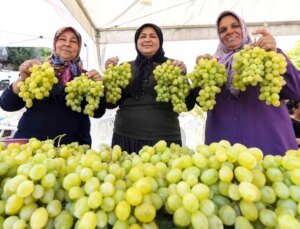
{"x":115,"y":21}
{"x":33,"y":23}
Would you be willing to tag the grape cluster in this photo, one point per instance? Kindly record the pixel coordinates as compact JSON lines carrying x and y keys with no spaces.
{"x":171,"y":86}
{"x":214,"y":186}
{"x":82,"y":88}
{"x":255,"y":66}
{"x":38,"y":84}
{"x":209,"y":75}
{"x":115,"y":78}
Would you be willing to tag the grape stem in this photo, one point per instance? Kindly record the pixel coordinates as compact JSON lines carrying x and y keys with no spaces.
{"x":59,"y":138}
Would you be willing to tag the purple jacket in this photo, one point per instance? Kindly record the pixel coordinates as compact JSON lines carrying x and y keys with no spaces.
{"x":247,"y":120}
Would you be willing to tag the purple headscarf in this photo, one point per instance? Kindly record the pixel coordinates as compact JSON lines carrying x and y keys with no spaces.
{"x":226,"y":56}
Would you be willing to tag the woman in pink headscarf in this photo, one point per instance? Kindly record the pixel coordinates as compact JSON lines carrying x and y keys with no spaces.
{"x":50,"y":117}
{"x":240,"y":117}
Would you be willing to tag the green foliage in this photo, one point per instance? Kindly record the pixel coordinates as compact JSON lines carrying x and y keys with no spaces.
{"x":45,"y":53}
{"x":294,"y":55}
{"x":17,"y":55}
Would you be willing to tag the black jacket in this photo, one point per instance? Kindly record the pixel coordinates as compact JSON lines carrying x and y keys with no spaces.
{"x":144,"y":118}
{"x":50,"y":117}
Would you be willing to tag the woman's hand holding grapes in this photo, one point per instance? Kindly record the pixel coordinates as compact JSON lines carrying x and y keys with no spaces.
{"x":94,"y":75}
{"x":266,"y":41}
{"x":112,"y":60}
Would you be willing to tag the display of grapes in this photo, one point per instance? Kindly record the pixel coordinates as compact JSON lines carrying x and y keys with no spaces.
{"x":255,"y":66}
{"x":115,"y":78}
{"x":214,"y":186}
{"x":85,"y":89}
{"x":38,"y":84}
{"x":172,"y":86}
{"x":210,"y":76}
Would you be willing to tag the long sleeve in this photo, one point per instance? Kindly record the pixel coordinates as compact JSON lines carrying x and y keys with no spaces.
{"x":190,"y":100}
{"x":292,"y":77}
{"x":247,"y":120}
{"x":101,"y":110}
{"x":9,"y":101}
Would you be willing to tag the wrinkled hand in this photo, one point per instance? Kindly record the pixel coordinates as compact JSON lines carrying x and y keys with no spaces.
{"x":94,"y":75}
{"x":24,"y":73}
{"x":25,"y":66}
{"x":266,"y":41}
{"x":180,"y":65}
{"x":112,"y":60}
{"x":204,"y":56}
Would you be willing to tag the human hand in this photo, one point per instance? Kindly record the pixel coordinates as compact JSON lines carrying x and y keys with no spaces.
{"x":204,"y":56}
{"x":25,"y":66}
{"x":266,"y":41}
{"x":112,"y":60}
{"x":180,"y":65}
{"x":94,"y":75}
{"x":24,"y":73}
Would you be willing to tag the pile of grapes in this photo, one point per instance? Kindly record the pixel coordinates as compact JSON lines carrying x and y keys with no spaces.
{"x":209,"y":75}
{"x":255,"y":66}
{"x":115,"y":78}
{"x":216,"y":186}
{"x":82,"y":88}
{"x":38,"y":84}
{"x":171,"y":86}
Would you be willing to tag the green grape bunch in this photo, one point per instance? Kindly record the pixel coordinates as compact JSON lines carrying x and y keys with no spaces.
{"x":116,"y":78}
{"x":38,"y":85}
{"x":275,"y":67}
{"x":255,"y":66}
{"x":172,"y":86}
{"x":83,"y":88}
{"x":249,"y":67}
{"x":210,"y":76}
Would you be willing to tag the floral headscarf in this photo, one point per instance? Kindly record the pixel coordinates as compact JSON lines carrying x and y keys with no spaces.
{"x":226,"y":56}
{"x":66,"y":70}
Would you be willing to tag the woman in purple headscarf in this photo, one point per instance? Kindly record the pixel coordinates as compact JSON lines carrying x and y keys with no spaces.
{"x":240,"y":117}
{"x":50,"y":117}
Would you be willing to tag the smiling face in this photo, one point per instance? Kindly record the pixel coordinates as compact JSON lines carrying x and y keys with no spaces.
{"x":230,"y":32}
{"x":67,"y":45}
{"x":148,"y":42}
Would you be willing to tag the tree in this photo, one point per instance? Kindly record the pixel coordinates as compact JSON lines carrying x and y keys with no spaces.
{"x":294,"y":55}
{"x":17,"y":55}
{"x":45,"y":53}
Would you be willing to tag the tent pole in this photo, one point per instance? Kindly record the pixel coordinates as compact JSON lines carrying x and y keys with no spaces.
{"x":98,"y":52}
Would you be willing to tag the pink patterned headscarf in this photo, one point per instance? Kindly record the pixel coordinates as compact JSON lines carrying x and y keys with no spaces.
{"x":66,"y":70}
